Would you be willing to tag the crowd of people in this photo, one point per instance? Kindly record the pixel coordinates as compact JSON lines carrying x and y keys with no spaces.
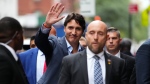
{"x":101,"y":57}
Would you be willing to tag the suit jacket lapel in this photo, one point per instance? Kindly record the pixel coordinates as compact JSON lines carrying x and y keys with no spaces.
{"x":108,"y":63}
{"x":83,"y":62}
{"x":64,"y":45}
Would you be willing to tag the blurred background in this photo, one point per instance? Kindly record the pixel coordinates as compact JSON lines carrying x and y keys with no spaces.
{"x":131,"y":17}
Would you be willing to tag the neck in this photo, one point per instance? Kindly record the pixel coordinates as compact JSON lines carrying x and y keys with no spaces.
{"x":75,"y":47}
{"x":114,"y":52}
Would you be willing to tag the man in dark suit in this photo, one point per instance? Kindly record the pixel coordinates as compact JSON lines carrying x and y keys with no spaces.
{"x":142,"y":63}
{"x":33,"y":62}
{"x":125,"y":46}
{"x":113,"y":48}
{"x":11,"y":40}
{"x":93,"y":65}
{"x":74,"y":26}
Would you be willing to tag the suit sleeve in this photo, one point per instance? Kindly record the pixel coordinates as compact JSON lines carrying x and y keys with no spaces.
{"x":5,"y":71}
{"x":42,"y":42}
{"x":65,"y":77}
{"x":143,"y":64}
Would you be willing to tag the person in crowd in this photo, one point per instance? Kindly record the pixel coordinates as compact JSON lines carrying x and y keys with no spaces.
{"x":74,"y":27}
{"x":11,"y":40}
{"x":142,"y":59}
{"x":93,"y":65}
{"x":32,"y":43}
{"x":113,"y":48}
{"x":125,"y":46}
{"x":82,"y":42}
{"x":32,"y":39}
{"x":33,"y":61}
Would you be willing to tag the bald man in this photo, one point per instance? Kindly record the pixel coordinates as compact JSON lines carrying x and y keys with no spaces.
{"x":93,"y":65}
{"x":33,"y":61}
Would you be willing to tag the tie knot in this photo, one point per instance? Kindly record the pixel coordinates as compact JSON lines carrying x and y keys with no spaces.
{"x":96,"y":57}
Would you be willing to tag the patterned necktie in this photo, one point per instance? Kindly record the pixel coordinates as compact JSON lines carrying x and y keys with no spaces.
{"x":98,"y":79}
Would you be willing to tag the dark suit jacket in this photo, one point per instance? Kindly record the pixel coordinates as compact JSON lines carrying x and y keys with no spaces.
{"x":74,"y":69}
{"x":28,"y":60}
{"x":11,"y":71}
{"x":130,"y":62}
{"x":143,"y":63}
{"x":54,"y":49}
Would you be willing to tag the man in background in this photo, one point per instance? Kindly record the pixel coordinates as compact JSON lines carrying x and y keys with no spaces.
{"x":125,"y":46}
{"x":33,"y":61}
{"x":83,"y":42}
{"x":11,"y":40}
{"x":32,"y":43}
{"x":113,"y":48}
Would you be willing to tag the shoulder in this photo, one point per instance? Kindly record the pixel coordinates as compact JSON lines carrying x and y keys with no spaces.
{"x":30,"y":51}
{"x":145,"y":45}
{"x":144,"y":49}
{"x":124,"y":56}
{"x":75,"y":56}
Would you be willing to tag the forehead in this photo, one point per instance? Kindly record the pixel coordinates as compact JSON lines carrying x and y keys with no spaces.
{"x":112,"y":34}
{"x":97,"y":27}
{"x":72,"y":22}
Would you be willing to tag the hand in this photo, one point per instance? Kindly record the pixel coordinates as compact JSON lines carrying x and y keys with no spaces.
{"x":53,"y":15}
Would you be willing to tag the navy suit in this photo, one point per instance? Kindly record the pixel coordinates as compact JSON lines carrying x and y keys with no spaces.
{"x":54,"y":49}
{"x":29,"y":60}
{"x":143,"y":63}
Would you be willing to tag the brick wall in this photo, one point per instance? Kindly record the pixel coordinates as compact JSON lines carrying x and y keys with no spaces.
{"x":31,"y":6}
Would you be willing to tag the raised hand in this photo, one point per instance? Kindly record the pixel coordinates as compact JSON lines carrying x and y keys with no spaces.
{"x":53,"y":15}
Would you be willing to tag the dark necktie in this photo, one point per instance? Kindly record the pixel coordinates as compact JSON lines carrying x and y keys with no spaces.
{"x":98,"y":79}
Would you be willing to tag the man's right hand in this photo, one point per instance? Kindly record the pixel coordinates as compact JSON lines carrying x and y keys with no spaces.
{"x":53,"y":15}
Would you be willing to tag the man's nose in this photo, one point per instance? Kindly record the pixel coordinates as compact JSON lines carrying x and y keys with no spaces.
{"x":74,"y":31}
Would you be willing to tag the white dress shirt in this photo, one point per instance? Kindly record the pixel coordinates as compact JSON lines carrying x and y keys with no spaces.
{"x":40,"y":65}
{"x":117,"y":55}
{"x":70,"y":48}
{"x":90,"y":65}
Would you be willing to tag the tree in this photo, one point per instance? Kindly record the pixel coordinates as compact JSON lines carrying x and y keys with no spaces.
{"x":115,"y":13}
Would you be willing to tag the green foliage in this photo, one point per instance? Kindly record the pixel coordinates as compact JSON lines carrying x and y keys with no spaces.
{"x":115,"y":13}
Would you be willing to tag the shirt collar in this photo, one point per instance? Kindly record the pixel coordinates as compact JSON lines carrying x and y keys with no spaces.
{"x":90,"y":54}
{"x":40,"y":53}
{"x":117,"y":55}
{"x":70,"y":48}
{"x":11,"y":51}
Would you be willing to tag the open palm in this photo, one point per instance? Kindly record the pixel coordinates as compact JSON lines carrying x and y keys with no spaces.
{"x":53,"y":14}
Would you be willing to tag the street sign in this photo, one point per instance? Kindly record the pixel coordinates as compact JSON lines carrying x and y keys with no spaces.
{"x":87,"y":7}
{"x":133,"y":8}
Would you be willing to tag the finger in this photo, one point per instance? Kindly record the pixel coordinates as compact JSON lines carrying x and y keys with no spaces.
{"x":60,"y":10}
{"x":54,"y":9}
{"x":58,"y":7}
